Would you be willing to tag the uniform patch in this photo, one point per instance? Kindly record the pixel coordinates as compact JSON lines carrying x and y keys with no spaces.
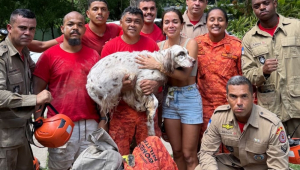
{"x":229,"y":55}
{"x":259,"y":157}
{"x":227,"y":126}
{"x":284,"y":148}
{"x":257,"y":44}
{"x":262,"y":59}
{"x":243,"y":52}
{"x":227,"y":48}
{"x":208,"y":123}
{"x":227,"y":132}
{"x":229,"y":148}
{"x":256,"y":140}
{"x":16,"y":89}
{"x":282,"y":137}
{"x":279,"y":130}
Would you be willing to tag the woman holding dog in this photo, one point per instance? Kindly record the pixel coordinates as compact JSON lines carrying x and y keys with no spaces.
{"x":182,"y":105}
{"x":219,"y":58}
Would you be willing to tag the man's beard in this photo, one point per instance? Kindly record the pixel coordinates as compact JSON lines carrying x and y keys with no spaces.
{"x":74,"y":42}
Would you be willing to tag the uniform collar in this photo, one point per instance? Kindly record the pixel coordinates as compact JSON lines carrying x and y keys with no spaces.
{"x":13,"y":51}
{"x":282,"y":22}
{"x":253,"y":119}
{"x":225,"y":40}
{"x":187,"y":21}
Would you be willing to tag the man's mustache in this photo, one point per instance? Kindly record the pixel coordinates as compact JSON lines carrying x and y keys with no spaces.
{"x":75,"y":31}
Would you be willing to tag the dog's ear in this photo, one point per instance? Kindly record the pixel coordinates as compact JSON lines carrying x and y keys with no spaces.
{"x":169,"y":63}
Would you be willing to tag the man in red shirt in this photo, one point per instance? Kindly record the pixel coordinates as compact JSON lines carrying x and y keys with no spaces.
{"x":150,"y":29}
{"x":64,"y":69}
{"x":126,"y":121}
{"x":97,"y":31}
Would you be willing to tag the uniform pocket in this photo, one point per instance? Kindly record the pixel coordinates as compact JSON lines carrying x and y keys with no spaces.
{"x":261,"y":54}
{"x":231,"y":145}
{"x":15,"y":81}
{"x":266,"y":100}
{"x":15,"y":78}
{"x":294,"y":91}
{"x":229,"y":66}
{"x":256,"y":152}
{"x":291,"y":47}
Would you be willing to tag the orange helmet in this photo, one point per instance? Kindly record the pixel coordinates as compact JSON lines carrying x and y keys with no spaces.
{"x":55,"y":131}
{"x":294,"y":154}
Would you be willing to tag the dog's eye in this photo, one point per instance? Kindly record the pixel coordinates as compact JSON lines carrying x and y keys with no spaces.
{"x":181,"y":53}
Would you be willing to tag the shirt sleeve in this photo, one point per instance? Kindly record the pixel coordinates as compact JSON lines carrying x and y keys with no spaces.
{"x":278,"y":149}
{"x":60,"y":39}
{"x":43,"y":67}
{"x":105,"y":51}
{"x":9,"y":99}
{"x":209,"y":146}
{"x":249,"y":67}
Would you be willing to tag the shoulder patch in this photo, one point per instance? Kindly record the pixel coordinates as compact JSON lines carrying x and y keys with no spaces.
{"x":222,"y":108}
{"x":3,"y":49}
{"x":268,"y":115}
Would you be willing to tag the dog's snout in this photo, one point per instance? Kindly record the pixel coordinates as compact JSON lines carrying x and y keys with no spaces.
{"x":194,"y":61}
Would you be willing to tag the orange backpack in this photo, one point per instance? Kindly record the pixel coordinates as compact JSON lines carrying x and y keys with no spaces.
{"x":151,"y":154}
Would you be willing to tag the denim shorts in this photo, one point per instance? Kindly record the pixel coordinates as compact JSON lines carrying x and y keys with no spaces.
{"x":183,"y":103}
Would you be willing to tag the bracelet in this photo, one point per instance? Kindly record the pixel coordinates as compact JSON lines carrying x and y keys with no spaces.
{"x":103,"y":118}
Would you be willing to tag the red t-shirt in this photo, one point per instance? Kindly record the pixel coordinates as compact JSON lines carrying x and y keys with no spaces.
{"x":66,"y":76}
{"x":194,"y":22}
{"x":94,"y":41}
{"x":268,"y":30}
{"x":118,"y":45}
{"x":155,"y":35}
{"x":241,"y":125}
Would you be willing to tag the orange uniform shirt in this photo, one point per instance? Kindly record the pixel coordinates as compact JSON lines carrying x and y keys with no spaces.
{"x":217,"y":63}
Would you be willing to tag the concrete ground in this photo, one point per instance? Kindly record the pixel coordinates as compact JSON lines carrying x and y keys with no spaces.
{"x":42,"y":153}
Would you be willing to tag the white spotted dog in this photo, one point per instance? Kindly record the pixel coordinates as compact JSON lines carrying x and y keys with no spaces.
{"x":104,"y":81}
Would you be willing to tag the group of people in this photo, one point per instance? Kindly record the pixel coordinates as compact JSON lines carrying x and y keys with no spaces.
{"x":210,"y":104}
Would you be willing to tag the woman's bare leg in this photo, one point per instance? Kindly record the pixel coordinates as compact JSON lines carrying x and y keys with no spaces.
{"x":173,"y":129}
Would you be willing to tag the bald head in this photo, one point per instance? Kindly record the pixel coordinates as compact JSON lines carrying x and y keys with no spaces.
{"x":73,"y":28}
{"x":73,"y":14}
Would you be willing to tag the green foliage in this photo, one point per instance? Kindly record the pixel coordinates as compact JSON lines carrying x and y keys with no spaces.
{"x":242,"y":18}
{"x":295,"y":167}
{"x":240,"y":26}
{"x":289,"y":8}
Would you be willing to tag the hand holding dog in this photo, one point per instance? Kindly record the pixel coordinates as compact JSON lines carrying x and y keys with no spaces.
{"x":147,"y":62}
{"x":149,"y":86}
{"x":127,"y":84}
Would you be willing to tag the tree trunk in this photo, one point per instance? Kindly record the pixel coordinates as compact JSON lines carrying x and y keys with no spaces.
{"x":43,"y":33}
{"x":133,"y":3}
{"x":52,"y":30}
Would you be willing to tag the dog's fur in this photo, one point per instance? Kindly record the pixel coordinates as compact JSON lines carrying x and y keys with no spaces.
{"x":105,"y":79}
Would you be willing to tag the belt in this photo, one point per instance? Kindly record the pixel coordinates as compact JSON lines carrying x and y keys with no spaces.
{"x":170,"y":94}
